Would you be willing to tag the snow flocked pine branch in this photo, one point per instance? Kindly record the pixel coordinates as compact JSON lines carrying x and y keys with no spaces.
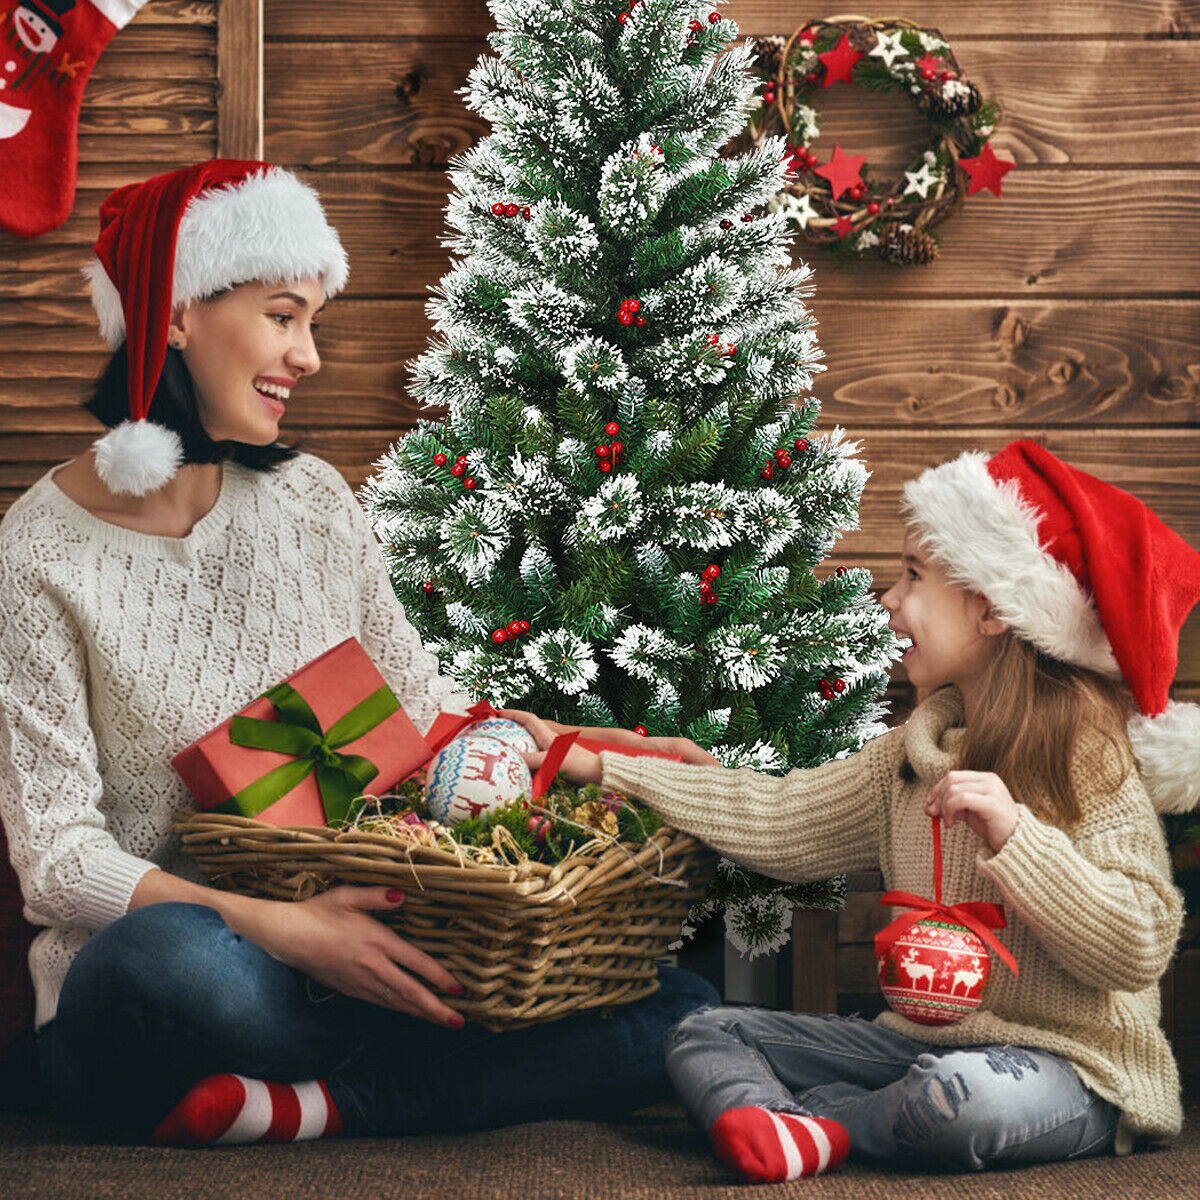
{"x":611,"y":512}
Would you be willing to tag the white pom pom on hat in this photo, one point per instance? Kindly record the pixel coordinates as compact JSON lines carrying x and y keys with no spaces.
{"x":1084,"y":571}
{"x":177,"y":238}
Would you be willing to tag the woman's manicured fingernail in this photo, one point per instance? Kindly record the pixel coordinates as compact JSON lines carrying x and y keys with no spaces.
{"x":394,"y":895}
{"x":457,"y":1022}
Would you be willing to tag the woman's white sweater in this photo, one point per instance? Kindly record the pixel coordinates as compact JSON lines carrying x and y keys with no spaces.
{"x":119,"y":648}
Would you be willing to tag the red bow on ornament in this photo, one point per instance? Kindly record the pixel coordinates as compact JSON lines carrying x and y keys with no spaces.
{"x":930,"y":945}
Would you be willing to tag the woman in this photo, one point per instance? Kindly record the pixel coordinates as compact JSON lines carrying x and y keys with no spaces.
{"x":153,"y":586}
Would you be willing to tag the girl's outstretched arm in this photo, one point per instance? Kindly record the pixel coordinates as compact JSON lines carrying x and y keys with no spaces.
{"x":805,"y":825}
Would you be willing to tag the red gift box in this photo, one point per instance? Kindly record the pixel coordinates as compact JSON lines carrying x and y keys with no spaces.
{"x":334,"y":727}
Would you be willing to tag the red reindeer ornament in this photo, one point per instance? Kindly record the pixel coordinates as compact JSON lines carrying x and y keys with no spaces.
{"x":933,"y":961}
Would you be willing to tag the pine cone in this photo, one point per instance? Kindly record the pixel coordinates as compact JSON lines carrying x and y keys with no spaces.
{"x":861,"y":37}
{"x":768,"y":51}
{"x":906,"y":244}
{"x":938,"y":108}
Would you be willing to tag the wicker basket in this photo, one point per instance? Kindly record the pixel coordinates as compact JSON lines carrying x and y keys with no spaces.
{"x":529,"y":943}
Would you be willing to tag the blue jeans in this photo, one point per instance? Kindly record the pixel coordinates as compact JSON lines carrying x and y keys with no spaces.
{"x":169,"y":993}
{"x":902,"y":1101}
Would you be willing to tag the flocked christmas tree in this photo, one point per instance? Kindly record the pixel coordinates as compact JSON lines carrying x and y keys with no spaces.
{"x":616,"y":520}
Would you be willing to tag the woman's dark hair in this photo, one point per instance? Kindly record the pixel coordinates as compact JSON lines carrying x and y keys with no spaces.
{"x":175,"y":405}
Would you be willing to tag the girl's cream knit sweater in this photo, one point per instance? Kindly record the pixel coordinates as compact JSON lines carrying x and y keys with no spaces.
{"x":1093,"y":915}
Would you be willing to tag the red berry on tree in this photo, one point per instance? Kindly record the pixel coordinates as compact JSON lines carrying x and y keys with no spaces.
{"x":780,"y":455}
{"x":747,"y":217}
{"x":801,"y":444}
{"x":524,"y":626}
{"x":526,"y":213}
{"x":499,"y":636}
{"x":469,"y":484}
{"x":511,"y":210}
{"x":612,"y":429}
{"x":440,"y":460}
{"x":713,"y":17}
{"x":639,"y":321}
{"x":726,"y":224}
{"x":605,"y":466}
{"x":427,"y":587}
{"x":695,"y":26}
{"x":785,"y":461}
{"x":634,"y":305}
{"x":640,"y":730}
{"x":705,"y":587}
{"x":459,"y":468}
{"x":811,"y":77}
{"x":839,"y":685}
{"x":601,"y":451}
{"x":731,"y":351}
{"x":713,"y":571}
{"x":873,"y":208}
{"x":623,"y":17}
{"x":618,"y":447}
{"x":498,"y":209}
{"x":514,"y":627}
{"x":713,"y":339}
{"x":767,"y":473}
{"x":711,"y":598}
{"x":625,"y":317}
{"x":841,"y":571}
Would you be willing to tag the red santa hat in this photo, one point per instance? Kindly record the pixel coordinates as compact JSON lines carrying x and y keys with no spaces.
{"x":1085,"y":572}
{"x":178,"y":238}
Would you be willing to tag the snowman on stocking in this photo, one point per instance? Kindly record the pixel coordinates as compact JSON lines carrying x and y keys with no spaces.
{"x":47,"y":51}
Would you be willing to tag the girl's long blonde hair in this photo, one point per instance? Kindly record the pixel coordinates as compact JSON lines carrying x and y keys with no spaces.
{"x":1031,"y":712}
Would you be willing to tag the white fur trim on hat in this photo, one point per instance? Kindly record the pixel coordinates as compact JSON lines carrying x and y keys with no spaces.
{"x":269,"y":227}
{"x":1167,"y":748}
{"x":985,"y":536}
{"x":137,"y":457}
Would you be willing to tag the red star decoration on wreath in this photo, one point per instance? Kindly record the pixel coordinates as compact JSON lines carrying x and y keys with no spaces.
{"x":843,"y":225}
{"x":842,"y":170}
{"x":985,"y":170}
{"x":839,"y":62}
{"x":930,"y":62}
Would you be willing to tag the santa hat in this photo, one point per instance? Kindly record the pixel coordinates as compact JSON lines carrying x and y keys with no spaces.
{"x":178,"y":238}
{"x":1085,"y":572}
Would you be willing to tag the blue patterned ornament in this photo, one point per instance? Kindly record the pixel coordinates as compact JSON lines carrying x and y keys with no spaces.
{"x":505,"y":731}
{"x":473,"y":774}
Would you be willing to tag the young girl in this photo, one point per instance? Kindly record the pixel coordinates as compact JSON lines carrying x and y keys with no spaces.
{"x":1043,"y":608}
{"x":150,"y":588}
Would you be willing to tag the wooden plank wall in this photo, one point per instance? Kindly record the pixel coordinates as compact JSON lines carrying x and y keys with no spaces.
{"x":1066,"y":311}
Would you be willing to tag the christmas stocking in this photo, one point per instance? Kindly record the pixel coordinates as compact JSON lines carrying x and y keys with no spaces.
{"x":47,"y":51}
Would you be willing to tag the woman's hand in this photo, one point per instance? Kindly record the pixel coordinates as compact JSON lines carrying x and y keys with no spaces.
{"x":333,"y":938}
{"x":979,"y":798}
{"x":544,"y":732}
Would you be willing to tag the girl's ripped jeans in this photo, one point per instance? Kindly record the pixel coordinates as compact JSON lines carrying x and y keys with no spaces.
{"x":903,"y":1101}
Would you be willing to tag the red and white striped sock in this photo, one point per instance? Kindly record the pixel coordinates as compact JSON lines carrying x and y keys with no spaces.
{"x":769,"y":1147}
{"x":230,"y":1110}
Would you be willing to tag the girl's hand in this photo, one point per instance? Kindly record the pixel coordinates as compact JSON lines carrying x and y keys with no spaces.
{"x":580,"y":766}
{"x":979,"y":798}
{"x":333,"y":938}
{"x":684,"y":747}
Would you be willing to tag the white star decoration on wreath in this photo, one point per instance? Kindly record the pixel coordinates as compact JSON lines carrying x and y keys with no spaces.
{"x":919,"y":182}
{"x":887,"y":47}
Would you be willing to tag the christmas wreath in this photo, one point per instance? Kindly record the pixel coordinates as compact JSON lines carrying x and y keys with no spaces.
{"x":838,"y":203}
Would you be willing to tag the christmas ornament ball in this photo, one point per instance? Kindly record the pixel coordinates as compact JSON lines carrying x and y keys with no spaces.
{"x":935,"y":972}
{"x":506,"y":731}
{"x":473,"y":774}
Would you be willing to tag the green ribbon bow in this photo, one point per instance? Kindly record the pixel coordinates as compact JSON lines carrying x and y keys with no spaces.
{"x":340,"y":777}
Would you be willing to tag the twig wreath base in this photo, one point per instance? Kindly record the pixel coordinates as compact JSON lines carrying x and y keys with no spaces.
{"x":839,"y":204}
